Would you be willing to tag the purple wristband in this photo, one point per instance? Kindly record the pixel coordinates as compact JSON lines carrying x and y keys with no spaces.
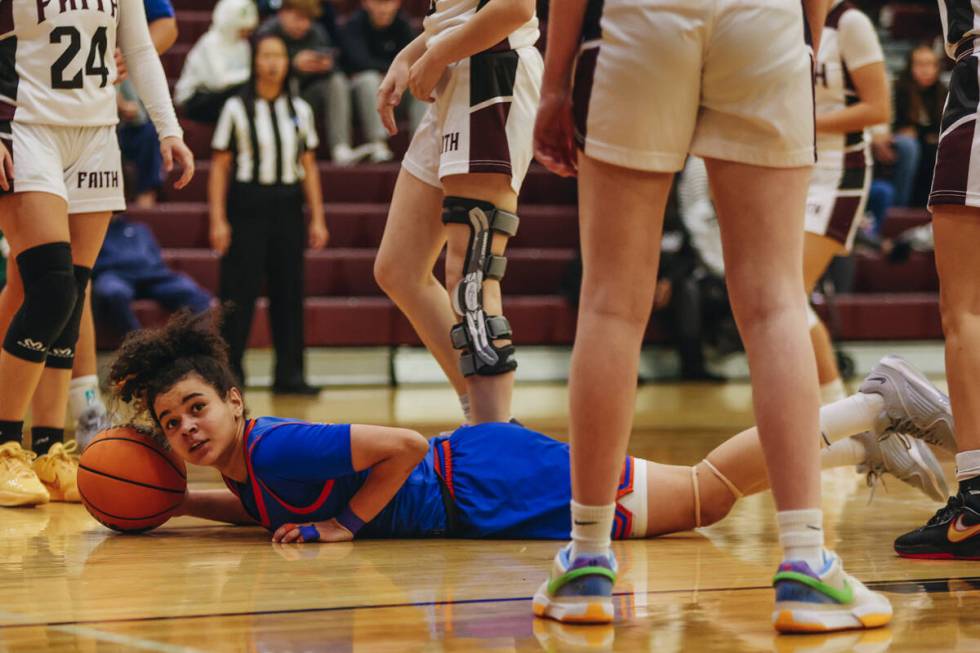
{"x":349,"y":520}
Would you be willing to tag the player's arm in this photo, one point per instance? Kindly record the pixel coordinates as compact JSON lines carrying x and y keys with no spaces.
{"x":873,"y":107}
{"x":390,"y":454}
{"x":219,"y":230}
{"x":313,"y":191}
{"x":494,"y":22}
{"x":554,"y":132}
{"x":163,"y":33}
{"x":216,"y":505}
{"x":816,"y":15}
{"x":396,"y":81}
{"x":861,"y":53}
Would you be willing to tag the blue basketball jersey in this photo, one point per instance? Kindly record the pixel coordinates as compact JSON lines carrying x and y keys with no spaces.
{"x":490,"y":480}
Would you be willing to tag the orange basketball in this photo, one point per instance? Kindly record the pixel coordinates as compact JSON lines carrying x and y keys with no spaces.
{"x":129,"y":482}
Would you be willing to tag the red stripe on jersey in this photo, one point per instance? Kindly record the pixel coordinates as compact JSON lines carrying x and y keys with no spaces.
{"x":256,"y":490}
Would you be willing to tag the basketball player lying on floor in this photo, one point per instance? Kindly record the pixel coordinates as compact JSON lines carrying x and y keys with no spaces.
{"x":333,"y":482}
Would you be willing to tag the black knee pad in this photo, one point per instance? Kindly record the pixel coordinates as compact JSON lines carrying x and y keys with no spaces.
{"x":476,"y":333}
{"x":49,"y":299}
{"x":61,"y":354}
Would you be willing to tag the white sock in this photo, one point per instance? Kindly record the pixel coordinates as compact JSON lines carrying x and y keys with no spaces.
{"x":843,"y":453}
{"x":801,"y":536}
{"x":83,"y":395}
{"x":591,"y":529}
{"x":832,"y":391}
{"x":967,"y":465}
{"x":854,"y":414}
{"x":464,"y":403}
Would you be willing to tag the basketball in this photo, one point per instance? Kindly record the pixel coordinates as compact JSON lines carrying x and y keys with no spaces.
{"x":130,"y":483}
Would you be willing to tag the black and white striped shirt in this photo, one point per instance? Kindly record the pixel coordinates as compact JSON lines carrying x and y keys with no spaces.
{"x":280,"y":142}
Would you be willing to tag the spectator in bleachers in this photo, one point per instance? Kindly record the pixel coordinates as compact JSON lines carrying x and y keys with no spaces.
{"x":919,"y":99}
{"x":220,"y":62}
{"x":370,"y":39}
{"x":262,"y":169}
{"x":315,"y":64}
{"x":130,"y":267}
{"x":328,"y":15}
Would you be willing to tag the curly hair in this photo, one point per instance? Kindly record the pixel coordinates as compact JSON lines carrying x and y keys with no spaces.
{"x":151,"y":361}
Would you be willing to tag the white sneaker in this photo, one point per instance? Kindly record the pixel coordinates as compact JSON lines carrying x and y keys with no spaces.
{"x":808,"y":602}
{"x":380,"y":152}
{"x":907,"y":459}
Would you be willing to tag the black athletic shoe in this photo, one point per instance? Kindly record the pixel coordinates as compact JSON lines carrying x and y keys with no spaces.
{"x":952,"y":534}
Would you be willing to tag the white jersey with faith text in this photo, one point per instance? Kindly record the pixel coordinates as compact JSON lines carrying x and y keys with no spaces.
{"x":446,"y":16}
{"x":848,"y":43}
{"x":57,"y":63}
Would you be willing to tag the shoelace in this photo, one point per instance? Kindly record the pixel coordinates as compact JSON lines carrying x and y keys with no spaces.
{"x":944,"y":514}
{"x":907,"y":426}
{"x":13,"y":453}
{"x":65,"y":453}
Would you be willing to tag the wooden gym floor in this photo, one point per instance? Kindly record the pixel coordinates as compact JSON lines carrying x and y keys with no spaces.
{"x":66,"y":583}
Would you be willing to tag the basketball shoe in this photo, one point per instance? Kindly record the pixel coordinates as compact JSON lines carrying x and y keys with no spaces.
{"x":809,"y":602}
{"x":579,"y":590}
{"x":910,"y":461}
{"x":953,"y":533}
{"x":19,"y":485}
{"x":913,"y":405}
{"x":58,"y":471}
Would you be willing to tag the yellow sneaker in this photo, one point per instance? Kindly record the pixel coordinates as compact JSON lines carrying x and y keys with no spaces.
{"x":58,"y":471}
{"x":19,"y":485}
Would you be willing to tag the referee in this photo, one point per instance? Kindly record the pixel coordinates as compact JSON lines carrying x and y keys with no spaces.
{"x":262,"y":169}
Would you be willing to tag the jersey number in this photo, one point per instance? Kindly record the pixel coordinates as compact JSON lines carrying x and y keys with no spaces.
{"x":94,"y":65}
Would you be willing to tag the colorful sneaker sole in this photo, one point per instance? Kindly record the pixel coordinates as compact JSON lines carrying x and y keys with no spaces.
{"x":936,"y":556}
{"x":807,"y":618}
{"x":584,"y":610}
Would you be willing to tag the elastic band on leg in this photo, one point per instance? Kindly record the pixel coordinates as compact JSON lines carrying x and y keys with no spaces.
{"x":721,"y":477}
{"x":697,"y":497}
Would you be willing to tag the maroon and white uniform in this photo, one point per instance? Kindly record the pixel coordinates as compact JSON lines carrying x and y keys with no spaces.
{"x":842,"y":176}
{"x":725,"y":79}
{"x":957,"y":175}
{"x":58,"y":101}
{"x":483,"y":116}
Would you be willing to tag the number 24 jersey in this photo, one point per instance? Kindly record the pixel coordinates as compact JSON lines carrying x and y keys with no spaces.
{"x":56,"y":60}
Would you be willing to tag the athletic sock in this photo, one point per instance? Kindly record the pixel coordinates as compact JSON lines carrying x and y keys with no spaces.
{"x":591,"y":529}
{"x":42,"y":437}
{"x":83,"y":395}
{"x":832,"y":391}
{"x":464,"y":403}
{"x":854,"y":414}
{"x":801,"y":536}
{"x":843,"y":453}
{"x":11,"y":432}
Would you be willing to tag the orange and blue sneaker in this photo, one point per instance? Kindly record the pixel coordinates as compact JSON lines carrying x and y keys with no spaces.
{"x":578,"y":591}
{"x":832,"y":600}
{"x":953,"y":533}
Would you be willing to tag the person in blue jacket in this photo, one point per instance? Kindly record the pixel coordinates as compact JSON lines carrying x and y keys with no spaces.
{"x":307,"y":482}
{"x":130,"y":266}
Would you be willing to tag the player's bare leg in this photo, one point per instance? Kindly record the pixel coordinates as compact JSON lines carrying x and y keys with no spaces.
{"x":413,"y":239}
{"x":818,"y":252}
{"x":489,"y":396}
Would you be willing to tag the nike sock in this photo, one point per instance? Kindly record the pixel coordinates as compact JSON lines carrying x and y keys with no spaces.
{"x":832,"y":391}
{"x":843,"y":453}
{"x":42,"y":437}
{"x":464,"y":403}
{"x":591,"y":529}
{"x":967,"y":465}
{"x":11,"y":432}
{"x":801,"y":536}
{"x":848,"y":416}
{"x":83,"y":395}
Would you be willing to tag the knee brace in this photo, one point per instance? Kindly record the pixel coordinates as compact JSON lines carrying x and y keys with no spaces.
{"x":476,"y":333}
{"x":61,"y":354}
{"x":49,"y":299}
